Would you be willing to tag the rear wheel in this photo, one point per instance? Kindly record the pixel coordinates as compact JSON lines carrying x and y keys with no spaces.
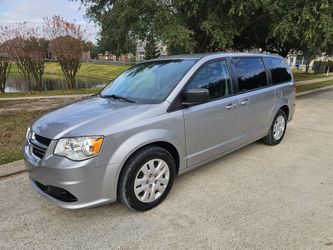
{"x":147,"y":178}
{"x":277,"y":130}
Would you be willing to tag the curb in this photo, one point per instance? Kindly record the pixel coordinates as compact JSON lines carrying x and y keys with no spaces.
{"x":12,"y":168}
{"x":43,"y":97}
{"x":313,"y":91}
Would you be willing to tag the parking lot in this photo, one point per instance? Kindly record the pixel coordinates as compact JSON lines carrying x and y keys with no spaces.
{"x":258,"y":197}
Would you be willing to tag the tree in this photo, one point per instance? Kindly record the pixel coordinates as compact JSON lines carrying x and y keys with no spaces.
{"x":67,"y":45}
{"x":277,"y":26}
{"x":299,"y":25}
{"x":5,"y":63}
{"x":151,"y":48}
{"x":28,"y":51}
{"x":184,"y":25}
{"x":327,"y":24}
{"x":35,"y":48}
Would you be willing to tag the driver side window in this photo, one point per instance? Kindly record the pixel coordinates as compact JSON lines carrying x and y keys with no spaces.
{"x":214,"y":77}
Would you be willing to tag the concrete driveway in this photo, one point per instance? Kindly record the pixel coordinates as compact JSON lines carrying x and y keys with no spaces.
{"x":259,"y":197}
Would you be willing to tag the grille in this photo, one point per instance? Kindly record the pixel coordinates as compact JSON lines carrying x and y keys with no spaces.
{"x":43,"y":140}
{"x":39,"y":145}
{"x":38,"y":152}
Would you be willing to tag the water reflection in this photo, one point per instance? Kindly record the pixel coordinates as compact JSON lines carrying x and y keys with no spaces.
{"x":15,"y":83}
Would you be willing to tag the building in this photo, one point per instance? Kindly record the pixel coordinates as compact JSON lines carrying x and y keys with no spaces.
{"x":298,"y":61}
{"x":129,"y":57}
{"x":86,"y":55}
{"x":107,"y":56}
{"x":141,"y":53}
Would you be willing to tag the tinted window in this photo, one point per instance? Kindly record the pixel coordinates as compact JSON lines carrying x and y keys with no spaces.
{"x":149,"y":82}
{"x":214,"y":77}
{"x":251,"y":73}
{"x":279,"y":69}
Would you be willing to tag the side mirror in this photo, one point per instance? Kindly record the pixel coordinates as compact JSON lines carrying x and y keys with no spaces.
{"x":195,"y":96}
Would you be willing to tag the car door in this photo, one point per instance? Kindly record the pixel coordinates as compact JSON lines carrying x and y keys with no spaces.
{"x":211,"y":128}
{"x":256,"y":97}
{"x":281,"y":79}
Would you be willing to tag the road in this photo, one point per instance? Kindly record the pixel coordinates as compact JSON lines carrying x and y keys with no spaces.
{"x":259,"y":197}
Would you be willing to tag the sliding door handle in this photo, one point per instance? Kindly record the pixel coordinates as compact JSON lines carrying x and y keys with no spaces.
{"x":230,"y":106}
{"x":244,"y":102}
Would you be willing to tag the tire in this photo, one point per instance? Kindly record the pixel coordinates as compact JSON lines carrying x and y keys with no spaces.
{"x":144,"y":171}
{"x":272,"y":138}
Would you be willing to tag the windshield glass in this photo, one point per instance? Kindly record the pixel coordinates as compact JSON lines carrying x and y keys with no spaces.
{"x":148,"y":82}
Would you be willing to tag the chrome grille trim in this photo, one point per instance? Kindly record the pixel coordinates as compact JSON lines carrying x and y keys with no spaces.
{"x":38,"y":145}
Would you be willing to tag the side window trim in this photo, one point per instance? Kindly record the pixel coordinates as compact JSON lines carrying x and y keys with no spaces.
{"x":236,"y":76}
{"x":233,"y":76}
{"x":268,"y":72}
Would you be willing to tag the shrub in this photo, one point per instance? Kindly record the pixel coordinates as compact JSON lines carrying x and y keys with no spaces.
{"x":322,"y":66}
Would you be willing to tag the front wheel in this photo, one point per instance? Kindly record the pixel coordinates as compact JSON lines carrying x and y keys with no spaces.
{"x":147,"y":178}
{"x":277,"y":130}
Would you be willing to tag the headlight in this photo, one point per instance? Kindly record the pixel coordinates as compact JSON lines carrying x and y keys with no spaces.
{"x":79,"y":148}
{"x":28,"y":134}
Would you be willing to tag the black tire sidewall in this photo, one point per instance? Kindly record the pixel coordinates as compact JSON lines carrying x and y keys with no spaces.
{"x":132,"y":167}
{"x":271,"y":132}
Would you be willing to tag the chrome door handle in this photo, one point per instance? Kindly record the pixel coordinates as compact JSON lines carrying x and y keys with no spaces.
{"x":230,"y":106}
{"x":244,"y":102}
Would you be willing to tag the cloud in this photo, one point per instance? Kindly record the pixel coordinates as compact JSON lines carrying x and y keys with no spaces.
{"x":33,"y":12}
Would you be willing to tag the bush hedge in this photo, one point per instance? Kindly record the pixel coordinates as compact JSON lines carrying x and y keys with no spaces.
{"x":322,"y":66}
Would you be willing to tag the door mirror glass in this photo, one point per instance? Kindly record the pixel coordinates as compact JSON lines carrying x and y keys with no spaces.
{"x":195,"y":96}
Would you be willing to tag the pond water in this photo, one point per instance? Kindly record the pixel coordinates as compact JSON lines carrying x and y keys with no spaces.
{"x":16,"y":83}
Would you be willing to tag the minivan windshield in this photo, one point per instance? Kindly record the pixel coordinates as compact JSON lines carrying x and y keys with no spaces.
{"x":148,"y":82}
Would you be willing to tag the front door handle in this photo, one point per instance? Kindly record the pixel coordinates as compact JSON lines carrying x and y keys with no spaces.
{"x":230,"y":106}
{"x":244,"y":102}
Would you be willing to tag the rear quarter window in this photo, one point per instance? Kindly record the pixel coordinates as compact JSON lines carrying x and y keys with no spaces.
{"x":279,"y":70}
{"x":251,"y":73}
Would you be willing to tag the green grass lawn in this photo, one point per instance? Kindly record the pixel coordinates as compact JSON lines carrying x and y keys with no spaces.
{"x":299,"y":76}
{"x":311,"y":86}
{"x":13,"y":126}
{"x":101,"y":72}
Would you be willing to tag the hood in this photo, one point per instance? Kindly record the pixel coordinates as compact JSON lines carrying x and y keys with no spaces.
{"x":89,"y":116}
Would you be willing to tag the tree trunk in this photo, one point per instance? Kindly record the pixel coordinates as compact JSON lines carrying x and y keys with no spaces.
{"x":73,"y":82}
{"x":307,"y":66}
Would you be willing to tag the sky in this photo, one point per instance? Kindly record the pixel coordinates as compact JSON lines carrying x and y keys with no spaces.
{"x":33,"y":11}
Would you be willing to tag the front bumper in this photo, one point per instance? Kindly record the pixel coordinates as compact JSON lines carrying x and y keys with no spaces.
{"x":89,"y":183}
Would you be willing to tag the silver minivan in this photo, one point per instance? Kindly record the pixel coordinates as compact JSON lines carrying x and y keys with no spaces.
{"x":159,"y":119}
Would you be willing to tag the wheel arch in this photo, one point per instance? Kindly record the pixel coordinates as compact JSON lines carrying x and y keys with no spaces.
{"x":162,"y":144}
{"x":158,"y":137}
{"x":283,"y":105}
{"x":285,"y":109}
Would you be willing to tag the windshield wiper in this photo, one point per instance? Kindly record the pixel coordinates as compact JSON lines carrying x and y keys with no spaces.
{"x":118,"y":97}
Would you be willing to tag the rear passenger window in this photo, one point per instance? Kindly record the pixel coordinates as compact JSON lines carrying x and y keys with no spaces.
{"x":251,"y":73}
{"x":279,"y":69}
{"x":214,"y":77}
